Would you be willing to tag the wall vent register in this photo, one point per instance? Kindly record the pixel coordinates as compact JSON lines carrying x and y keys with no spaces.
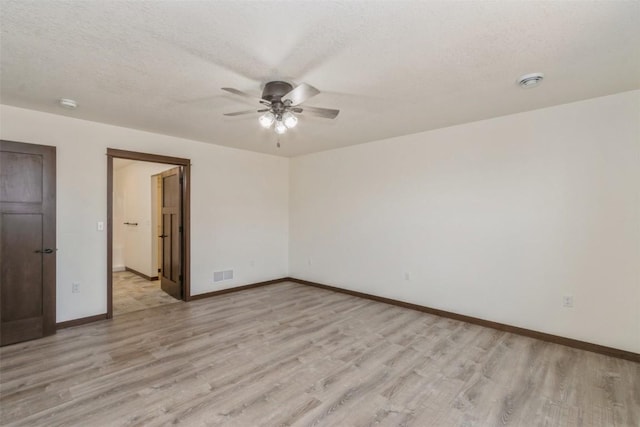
{"x":219,"y":276}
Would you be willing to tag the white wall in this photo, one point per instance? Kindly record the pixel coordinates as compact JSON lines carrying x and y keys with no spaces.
{"x":135,"y":247}
{"x":495,"y":219}
{"x":119,"y":218}
{"x":239,"y":200}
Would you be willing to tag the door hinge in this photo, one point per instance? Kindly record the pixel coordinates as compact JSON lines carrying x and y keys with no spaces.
{"x":180,"y":278}
{"x":180,"y":229}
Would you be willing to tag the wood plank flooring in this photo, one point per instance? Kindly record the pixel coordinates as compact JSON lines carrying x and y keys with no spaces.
{"x":132,"y":293}
{"x":292,"y":355}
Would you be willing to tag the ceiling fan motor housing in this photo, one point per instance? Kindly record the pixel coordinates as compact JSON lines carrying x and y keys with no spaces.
{"x":273,"y":91}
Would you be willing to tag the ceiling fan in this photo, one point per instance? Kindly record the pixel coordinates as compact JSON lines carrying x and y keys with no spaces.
{"x":282,"y":102}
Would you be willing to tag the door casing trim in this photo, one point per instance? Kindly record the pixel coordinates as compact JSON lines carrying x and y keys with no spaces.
{"x":186,"y":215}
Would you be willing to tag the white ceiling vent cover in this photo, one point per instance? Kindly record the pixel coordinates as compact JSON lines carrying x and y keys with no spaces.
{"x":530,"y":80}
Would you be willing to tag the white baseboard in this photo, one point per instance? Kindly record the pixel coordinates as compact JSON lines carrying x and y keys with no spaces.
{"x":117,"y":268}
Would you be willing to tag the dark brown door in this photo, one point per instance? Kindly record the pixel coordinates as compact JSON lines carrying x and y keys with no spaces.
{"x":27,"y":241}
{"x":171,"y":275}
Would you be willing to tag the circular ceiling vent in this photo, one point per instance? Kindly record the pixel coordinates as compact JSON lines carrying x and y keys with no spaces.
{"x":530,"y":80}
{"x":68,"y":103}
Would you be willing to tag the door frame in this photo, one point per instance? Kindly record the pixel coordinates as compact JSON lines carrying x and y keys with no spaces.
{"x":185,"y":188}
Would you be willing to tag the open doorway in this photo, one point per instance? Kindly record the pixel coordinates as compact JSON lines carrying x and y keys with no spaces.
{"x":143,"y":192}
{"x":147,"y":231}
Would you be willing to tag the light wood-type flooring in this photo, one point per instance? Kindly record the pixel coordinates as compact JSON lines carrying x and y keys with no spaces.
{"x":289,"y":354}
{"x":132,"y":293}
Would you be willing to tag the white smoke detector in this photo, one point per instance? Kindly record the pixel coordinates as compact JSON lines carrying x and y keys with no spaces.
{"x":68,"y":103}
{"x":530,"y":80}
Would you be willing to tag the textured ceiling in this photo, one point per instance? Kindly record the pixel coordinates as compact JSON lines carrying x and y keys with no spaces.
{"x":392,"y":68}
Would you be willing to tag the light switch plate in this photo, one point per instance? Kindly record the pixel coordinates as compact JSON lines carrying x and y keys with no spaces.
{"x":100,"y":226}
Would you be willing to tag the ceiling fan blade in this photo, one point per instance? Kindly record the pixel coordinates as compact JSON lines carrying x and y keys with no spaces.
{"x":265,"y":102}
{"x":240,"y":113}
{"x":300,"y":94}
{"x":238,"y":92}
{"x":327,"y":113}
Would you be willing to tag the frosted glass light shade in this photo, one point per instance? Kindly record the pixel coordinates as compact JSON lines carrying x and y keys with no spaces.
{"x":289,"y":119}
{"x":267,"y":119}
{"x":280,"y":127}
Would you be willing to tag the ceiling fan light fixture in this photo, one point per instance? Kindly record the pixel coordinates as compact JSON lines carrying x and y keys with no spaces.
{"x":280,"y":105}
{"x":289,"y":119}
{"x":280,"y":127}
{"x":267,"y":119}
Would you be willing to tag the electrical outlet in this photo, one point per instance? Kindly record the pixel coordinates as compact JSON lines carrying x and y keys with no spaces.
{"x":567,"y":301}
{"x":75,"y":287}
{"x":407,"y":275}
{"x":309,"y":262}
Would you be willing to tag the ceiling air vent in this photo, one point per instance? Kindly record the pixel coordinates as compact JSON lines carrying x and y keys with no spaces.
{"x":530,"y":80}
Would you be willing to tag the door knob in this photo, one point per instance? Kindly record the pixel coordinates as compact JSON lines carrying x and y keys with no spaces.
{"x":44,"y":251}
{"x":163,"y":236}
